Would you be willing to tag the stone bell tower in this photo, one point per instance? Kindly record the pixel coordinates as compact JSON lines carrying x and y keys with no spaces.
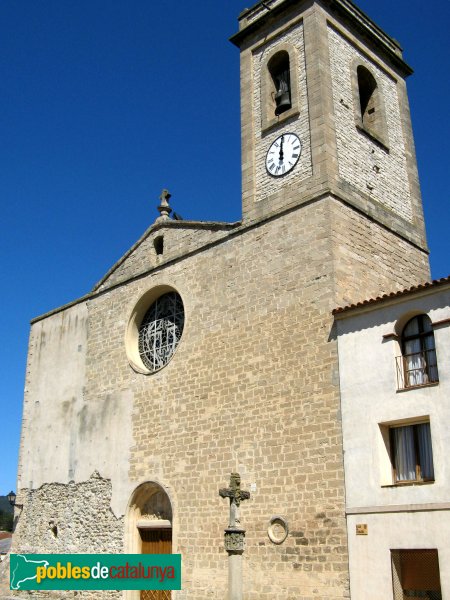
{"x":325,"y":121}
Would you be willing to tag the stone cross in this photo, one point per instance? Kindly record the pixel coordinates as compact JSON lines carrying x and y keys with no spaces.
{"x":164,"y":208}
{"x":234,"y":536}
{"x":236,"y":496}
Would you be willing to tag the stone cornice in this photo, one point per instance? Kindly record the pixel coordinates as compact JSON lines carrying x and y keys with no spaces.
{"x":261,"y":14}
{"x":397,"y":508}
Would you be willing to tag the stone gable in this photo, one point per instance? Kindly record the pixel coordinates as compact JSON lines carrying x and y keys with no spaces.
{"x":179,"y":239}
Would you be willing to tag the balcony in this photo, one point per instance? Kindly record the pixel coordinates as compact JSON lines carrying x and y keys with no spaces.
{"x":418,"y":369}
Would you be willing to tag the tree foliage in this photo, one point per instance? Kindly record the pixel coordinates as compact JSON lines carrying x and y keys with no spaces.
{"x":6,"y":521}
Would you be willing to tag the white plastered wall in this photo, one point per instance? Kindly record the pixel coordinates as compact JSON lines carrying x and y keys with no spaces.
{"x":369,"y":397}
{"x":398,"y":516}
{"x":66,"y":435}
{"x":370,"y":555}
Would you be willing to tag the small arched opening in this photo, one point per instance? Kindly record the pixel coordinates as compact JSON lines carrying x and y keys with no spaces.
{"x":158,"y":244}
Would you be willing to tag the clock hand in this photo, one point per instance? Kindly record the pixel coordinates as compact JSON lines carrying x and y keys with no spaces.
{"x":281,"y":149}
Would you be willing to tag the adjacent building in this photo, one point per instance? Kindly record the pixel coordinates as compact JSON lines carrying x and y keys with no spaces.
{"x":394,"y":366}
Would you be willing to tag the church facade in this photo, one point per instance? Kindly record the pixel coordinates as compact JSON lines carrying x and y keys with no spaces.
{"x":210,"y":347}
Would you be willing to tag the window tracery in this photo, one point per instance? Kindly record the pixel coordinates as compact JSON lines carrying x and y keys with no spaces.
{"x":161,"y":330}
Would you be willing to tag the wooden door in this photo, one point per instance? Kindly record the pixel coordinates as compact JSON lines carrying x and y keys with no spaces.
{"x":156,"y":541}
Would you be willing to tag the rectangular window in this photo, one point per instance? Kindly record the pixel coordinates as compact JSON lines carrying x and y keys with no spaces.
{"x":412,"y":453}
{"x":415,"y":574}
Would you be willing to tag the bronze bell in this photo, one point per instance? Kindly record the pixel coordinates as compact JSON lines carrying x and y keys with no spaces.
{"x":283,"y":101}
{"x":283,"y":94}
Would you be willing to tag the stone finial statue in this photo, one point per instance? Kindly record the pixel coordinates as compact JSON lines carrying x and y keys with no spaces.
{"x":164,"y":208}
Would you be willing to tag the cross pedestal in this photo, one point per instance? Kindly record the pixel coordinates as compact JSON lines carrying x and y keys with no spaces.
{"x":234,"y":545}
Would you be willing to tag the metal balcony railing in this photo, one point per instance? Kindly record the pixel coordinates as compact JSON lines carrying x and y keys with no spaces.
{"x":419,"y":368}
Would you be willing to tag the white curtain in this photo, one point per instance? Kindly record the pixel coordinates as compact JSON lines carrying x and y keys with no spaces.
{"x":414,"y":360}
{"x":405,"y":452}
{"x":405,"y":460}
{"x":425,"y":451}
{"x":415,"y":364}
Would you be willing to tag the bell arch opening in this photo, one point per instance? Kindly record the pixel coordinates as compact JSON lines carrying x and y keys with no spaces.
{"x":370,"y":115}
{"x":279,"y":86}
{"x":279,"y":69}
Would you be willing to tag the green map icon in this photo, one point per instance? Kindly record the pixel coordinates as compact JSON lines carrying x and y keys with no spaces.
{"x":23,"y":569}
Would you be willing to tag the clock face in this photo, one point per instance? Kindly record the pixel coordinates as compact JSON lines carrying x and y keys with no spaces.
{"x":283,"y":154}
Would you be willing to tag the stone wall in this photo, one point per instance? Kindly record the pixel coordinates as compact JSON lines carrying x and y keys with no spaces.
{"x":370,"y":260}
{"x":68,"y":518}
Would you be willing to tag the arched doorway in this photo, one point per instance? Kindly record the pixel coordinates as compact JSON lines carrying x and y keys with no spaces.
{"x":149,"y":530}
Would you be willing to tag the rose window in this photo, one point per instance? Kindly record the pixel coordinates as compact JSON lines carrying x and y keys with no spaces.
{"x":160,"y":331}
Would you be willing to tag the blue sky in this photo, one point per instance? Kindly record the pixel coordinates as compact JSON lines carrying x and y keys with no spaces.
{"x":105,"y":102}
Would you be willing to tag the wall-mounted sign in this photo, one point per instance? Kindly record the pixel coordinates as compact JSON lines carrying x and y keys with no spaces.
{"x":362,"y":529}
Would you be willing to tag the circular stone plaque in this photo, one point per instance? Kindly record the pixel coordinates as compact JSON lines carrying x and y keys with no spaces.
{"x":278,"y":529}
